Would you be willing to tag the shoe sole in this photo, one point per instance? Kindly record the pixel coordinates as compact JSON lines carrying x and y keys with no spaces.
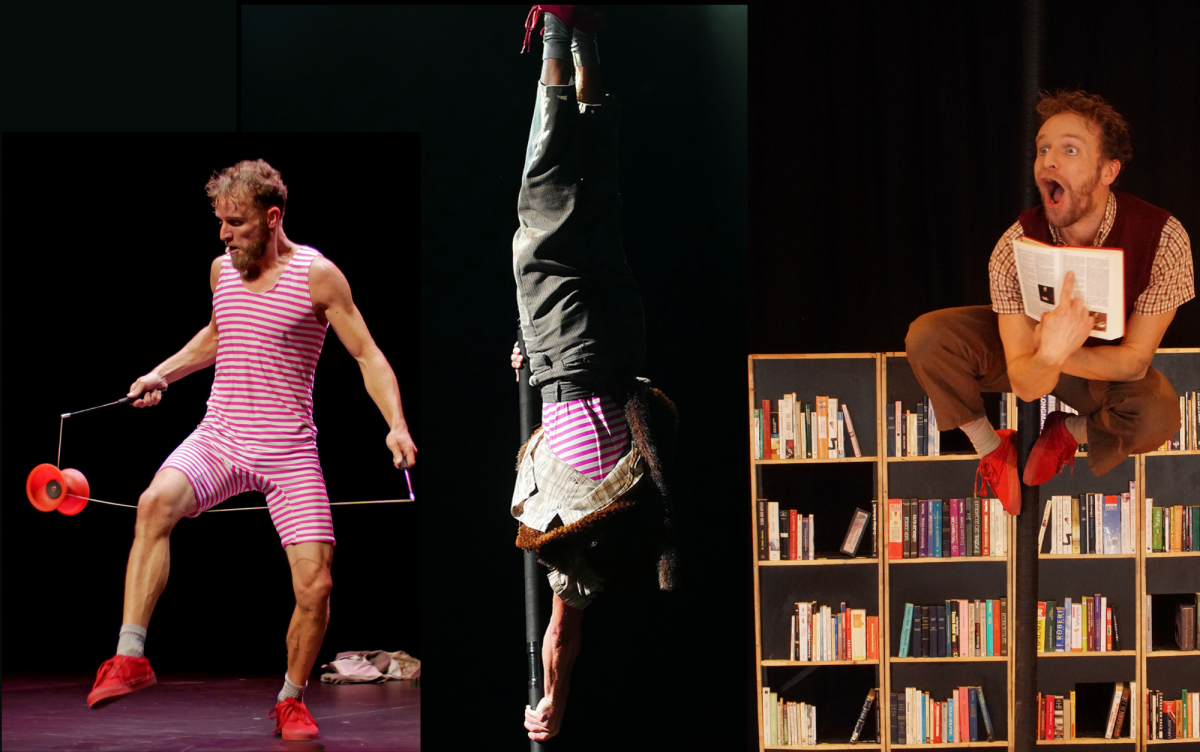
{"x":298,"y":736}
{"x":102,"y":697}
{"x":1036,"y":457}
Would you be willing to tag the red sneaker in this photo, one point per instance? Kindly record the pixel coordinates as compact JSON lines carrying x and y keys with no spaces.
{"x":294,"y":721}
{"x":1055,"y":447}
{"x":582,"y":17}
{"x":999,"y":470}
{"x":117,"y":677}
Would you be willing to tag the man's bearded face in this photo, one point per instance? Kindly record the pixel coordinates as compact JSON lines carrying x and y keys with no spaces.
{"x":244,"y":232}
{"x":1068,"y":167}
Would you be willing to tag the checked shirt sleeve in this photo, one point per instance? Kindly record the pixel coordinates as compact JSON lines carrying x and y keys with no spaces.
{"x":1172,"y":279}
{"x":1002,"y":273}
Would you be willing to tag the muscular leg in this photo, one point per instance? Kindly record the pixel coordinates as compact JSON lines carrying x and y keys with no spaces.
{"x":312,"y":582}
{"x":168,"y":499}
{"x":559,"y":650}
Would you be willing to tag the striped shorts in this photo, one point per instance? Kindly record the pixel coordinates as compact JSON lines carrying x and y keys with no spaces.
{"x":293,"y":484}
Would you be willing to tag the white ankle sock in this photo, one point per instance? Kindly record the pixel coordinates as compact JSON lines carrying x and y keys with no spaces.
{"x":1077,"y":425}
{"x":132,"y":641}
{"x":291,"y":690}
{"x":983,"y":437}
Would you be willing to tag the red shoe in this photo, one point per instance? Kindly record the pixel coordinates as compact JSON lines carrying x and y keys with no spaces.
{"x":1054,"y":448}
{"x":294,"y":721}
{"x":999,"y":470}
{"x":582,"y":17}
{"x":117,"y":677}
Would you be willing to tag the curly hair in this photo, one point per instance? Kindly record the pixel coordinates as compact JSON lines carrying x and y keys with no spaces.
{"x":1115,"y":141}
{"x":252,"y":178}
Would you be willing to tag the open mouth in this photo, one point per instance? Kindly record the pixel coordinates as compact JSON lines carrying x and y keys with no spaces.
{"x":1054,"y":192}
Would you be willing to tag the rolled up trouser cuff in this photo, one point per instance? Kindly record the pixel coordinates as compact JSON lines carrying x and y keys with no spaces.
{"x":577,"y":585}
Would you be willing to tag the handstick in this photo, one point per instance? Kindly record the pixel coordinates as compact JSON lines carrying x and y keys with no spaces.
{"x":404,"y":466}
{"x":122,"y":401}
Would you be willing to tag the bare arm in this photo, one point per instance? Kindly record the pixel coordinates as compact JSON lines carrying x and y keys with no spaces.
{"x":199,"y":352}
{"x":330,"y":293}
{"x":1036,"y":352}
{"x":1127,"y":361}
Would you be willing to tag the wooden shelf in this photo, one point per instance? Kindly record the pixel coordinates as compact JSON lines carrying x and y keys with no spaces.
{"x":1173,"y":554}
{"x":942,"y":457}
{"x":1171,"y":454}
{"x":869,"y":662}
{"x":989,"y":658}
{"x":1090,"y":654}
{"x":1087,"y":556}
{"x":1087,"y":740}
{"x":950,"y":560}
{"x":861,"y":745}
{"x":1172,"y":653}
{"x":819,"y":562}
{"x":830,"y":461}
{"x":955,"y":744}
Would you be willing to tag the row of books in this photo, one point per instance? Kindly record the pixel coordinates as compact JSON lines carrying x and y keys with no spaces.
{"x":785,"y":535}
{"x":1089,"y":626}
{"x":1173,"y":719}
{"x":820,"y":634}
{"x":1187,"y":438}
{"x":1187,"y":625}
{"x":1056,"y":714}
{"x":1172,"y":529}
{"x":963,"y":717}
{"x":1090,"y":523}
{"x":955,"y":629}
{"x":922,"y":528}
{"x":912,"y":433}
{"x":787,"y":723}
{"x":797,"y":430}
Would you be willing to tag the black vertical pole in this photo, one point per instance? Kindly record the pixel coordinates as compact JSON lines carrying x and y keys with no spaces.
{"x":1025,"y":655}
{"x":531,"y":403}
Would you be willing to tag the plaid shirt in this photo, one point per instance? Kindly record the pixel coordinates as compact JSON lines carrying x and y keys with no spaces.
{"x":1172,"y":281}
{"x":548,"y":487}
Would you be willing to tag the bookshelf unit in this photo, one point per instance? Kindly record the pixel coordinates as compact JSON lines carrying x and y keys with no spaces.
{"x":831,"y":489}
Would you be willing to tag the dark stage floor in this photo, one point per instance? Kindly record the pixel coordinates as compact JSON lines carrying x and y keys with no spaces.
{"x":203,"y":711}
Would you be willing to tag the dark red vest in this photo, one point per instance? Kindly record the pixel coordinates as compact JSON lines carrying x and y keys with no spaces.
{"x":1137,"y":229}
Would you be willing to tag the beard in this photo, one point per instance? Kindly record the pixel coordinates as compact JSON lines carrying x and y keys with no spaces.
{"x":251,"y":251}
{"x":1080,"y":203}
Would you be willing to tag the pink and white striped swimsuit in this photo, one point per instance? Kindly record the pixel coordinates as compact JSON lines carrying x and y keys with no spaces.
{"x":589,"y":434}
{"x":258,"y":433}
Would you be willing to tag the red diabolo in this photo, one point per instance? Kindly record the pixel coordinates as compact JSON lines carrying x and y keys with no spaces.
{"x":48,"y":489}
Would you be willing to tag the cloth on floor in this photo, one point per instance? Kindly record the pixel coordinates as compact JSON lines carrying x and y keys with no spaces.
{"x":360,"y":666}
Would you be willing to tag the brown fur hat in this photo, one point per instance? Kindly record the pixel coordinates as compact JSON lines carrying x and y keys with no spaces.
{"x":635,"y":536}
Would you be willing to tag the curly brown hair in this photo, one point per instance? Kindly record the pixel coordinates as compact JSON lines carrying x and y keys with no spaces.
{"x":1115,"y":141}
{"x":253,"y":178}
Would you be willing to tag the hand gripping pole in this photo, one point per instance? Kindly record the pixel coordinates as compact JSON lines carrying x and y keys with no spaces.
{"x":530,"y":418}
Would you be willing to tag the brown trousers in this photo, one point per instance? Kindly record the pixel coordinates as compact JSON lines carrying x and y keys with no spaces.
{"x":956,"y":354}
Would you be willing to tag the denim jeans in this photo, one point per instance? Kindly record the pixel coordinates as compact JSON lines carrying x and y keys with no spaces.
{"x":580,"y":310}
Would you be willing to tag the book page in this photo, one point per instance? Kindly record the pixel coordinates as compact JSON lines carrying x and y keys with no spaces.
{"x":1039,"y":276}
{"x":1098,"y":280}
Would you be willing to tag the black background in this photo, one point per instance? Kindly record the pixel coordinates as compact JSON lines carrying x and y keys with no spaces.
{"x":108,"y":242}
{"x":655,"y":669}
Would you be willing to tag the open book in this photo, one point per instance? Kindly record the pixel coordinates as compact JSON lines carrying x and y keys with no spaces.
{"x":1099,"y":280}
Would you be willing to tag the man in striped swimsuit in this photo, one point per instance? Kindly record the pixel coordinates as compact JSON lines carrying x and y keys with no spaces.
{"x":272,"y":303}
{"x":581,"y":317}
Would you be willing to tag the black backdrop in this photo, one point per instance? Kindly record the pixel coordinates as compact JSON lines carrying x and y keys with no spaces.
{"x":886,"y":167}
{"x":108,"y":241}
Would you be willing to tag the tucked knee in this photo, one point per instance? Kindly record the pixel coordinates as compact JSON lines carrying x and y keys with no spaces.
{"x":920,"y":334}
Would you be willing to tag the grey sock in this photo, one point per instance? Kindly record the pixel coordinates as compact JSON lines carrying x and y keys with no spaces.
{"x":983,"y":437}
{"x":291,"y":690}
{"x":132,"y":641}
{"x":583,"y":49}
{"x":1077,"y":425}
{"x":556,"y":38}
